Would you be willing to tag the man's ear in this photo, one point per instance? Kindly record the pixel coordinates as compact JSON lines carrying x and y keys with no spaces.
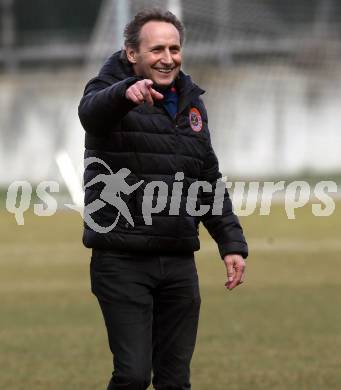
{"x":131,"y":55}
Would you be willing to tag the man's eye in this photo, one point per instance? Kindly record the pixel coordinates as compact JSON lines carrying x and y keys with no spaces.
{"x":156,"y":50}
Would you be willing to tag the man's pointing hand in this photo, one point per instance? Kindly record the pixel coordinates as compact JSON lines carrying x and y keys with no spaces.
{"x":142,"y":91}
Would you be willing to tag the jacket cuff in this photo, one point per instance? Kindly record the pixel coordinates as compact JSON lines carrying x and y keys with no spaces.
{"x":233,"y":247}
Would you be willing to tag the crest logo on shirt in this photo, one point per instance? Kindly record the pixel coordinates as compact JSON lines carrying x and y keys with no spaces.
{"x":195,"y":119}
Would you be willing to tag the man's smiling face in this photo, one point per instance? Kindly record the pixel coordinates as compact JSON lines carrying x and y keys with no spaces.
{"x":159,"y":54}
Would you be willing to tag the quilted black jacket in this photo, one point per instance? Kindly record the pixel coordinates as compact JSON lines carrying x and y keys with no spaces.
{"x":153,"y":146}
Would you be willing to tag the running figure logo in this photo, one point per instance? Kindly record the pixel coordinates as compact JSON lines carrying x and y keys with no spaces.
{"x":115,"y":184}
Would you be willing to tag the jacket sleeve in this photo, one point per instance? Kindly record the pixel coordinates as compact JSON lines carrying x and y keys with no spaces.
{"x":104,"y":103}
{"x":221,"y":222}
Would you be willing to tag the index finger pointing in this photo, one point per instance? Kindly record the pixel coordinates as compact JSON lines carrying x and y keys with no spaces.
{"x":148,"y":83}
{"x":157,"y":95}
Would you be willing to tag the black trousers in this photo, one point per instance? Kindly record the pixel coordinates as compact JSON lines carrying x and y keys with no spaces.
{"x":150,"y":305}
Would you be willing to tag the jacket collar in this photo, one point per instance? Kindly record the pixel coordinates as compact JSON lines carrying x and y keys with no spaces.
{"x":116,"y":67}
{"x":187,"y":90}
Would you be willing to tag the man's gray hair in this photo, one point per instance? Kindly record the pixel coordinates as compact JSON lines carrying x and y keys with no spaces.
{"x":133,"y":28}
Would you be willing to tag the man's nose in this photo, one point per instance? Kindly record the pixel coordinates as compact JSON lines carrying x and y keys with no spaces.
{"x":167,"y":58}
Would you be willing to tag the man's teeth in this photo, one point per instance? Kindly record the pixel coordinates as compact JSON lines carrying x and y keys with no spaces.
{"x":164,"y":70}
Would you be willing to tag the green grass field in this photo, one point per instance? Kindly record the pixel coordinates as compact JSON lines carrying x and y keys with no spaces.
{"x":280,"y":330}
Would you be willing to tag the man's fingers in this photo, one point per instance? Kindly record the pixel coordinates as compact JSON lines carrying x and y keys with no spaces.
{"x":135,"y":99}
{"x":146,"y":91}
{"x":142,"y":91}
{"x":139,"y":95}
{"x":151,"y":94}
{"x":134,"y":94}
{"x":235,"y":266}
{"x":148,"y":97}
{"x":242,"y":277}
{"x":139,"y":92}
{"x":238,"y":277}
{"x":230,"y":272}
{"x":156,"y":95}
{"x":148,"y":83}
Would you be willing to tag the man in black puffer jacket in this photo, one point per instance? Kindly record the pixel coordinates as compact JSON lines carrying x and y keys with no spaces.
{"x":148,"y":155}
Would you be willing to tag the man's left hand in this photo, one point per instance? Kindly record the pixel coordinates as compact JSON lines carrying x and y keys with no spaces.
{"x":235,"y":266}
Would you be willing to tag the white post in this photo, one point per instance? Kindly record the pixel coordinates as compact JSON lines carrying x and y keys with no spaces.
{"x":8,"y":33}
{"x":223,"y":18}
{"x":322,"y":17}
{"x":122,"y":18}
{"x":175,"y":7}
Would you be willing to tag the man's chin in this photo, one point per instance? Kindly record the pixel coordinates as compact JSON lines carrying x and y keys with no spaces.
{"x":163,"y":84}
